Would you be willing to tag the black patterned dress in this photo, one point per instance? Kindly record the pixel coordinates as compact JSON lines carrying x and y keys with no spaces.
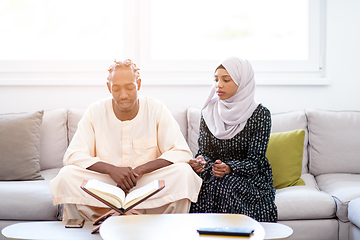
{"x":248,"y":189}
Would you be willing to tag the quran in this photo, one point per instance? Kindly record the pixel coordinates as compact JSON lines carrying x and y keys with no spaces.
{"x":116,"y":198}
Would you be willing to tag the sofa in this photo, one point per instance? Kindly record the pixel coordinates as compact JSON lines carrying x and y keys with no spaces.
{"x":326,"y":207}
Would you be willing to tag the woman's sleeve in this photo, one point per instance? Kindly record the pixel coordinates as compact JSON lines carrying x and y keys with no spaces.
{"x":204,"y":143}
{"x":205,"y":149}
{"x":258,"y":143}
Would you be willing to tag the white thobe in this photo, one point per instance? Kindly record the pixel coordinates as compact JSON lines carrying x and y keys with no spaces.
{"x":101,"y":136}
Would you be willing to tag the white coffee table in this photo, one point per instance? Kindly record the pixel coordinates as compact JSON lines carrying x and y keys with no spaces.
{"x":54,"y":230}
{"x":276,"y":230}
{"x":174,"y":226}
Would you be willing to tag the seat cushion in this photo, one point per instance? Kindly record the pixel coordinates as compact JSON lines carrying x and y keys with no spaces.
{"x":304,"y":202}
{"x":334,"y":141}
{"x":28,"y":200}
{"x":354,"y":212}
{"x":343,"y":187}
{"x":317,"y":229}
{"x":53,"y":138}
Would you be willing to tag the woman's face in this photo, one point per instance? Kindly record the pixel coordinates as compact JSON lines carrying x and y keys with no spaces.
{"x":225,"y":86}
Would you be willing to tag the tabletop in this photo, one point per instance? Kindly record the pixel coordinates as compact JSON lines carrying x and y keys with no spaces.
{"x":49,"y":230}
{"x":175,"y":226}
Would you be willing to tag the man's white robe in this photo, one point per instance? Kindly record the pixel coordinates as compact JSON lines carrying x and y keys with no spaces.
{"x":101,"y":136}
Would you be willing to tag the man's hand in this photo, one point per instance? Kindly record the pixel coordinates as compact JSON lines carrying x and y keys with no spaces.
{"x":195,"y":164}
{"x":150,"y":167}
{"x":219,"y":169}
{"x":125,"y":177}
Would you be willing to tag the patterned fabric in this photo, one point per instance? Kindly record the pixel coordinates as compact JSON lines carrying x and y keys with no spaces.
{"x":248,"y":189}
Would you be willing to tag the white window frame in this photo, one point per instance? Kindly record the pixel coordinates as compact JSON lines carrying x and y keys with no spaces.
{"x":271,"y":72}
{"x":171,"y":72}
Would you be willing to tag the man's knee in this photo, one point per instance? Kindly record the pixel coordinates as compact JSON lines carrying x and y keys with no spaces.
{"x":66,"y":174}
{"x":69,"y":170}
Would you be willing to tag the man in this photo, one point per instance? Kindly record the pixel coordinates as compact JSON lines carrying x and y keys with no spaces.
{"x":126,"y":141}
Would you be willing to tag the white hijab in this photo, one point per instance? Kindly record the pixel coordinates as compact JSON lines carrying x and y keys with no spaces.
{"x":226,"y":118}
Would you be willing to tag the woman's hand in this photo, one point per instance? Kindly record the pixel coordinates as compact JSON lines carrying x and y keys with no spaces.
{"x":195,"y":164}
{"x":219,"y":169}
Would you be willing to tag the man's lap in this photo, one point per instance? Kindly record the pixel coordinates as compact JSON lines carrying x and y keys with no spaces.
{"x":180,"y":182}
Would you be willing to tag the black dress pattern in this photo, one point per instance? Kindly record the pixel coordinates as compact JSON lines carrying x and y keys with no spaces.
{"x":248,"y":189}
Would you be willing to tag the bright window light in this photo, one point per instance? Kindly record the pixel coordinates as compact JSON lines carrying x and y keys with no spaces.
{"x":172,"y":41}
{"x":277,"y":36}
{"x":60,"y":29}
{"x":209,"y":29}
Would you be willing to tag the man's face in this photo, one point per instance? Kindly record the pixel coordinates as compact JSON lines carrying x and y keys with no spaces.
{"x":124,"y":88}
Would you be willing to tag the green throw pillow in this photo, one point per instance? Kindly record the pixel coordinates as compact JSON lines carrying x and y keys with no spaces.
{"x":285,"y":154}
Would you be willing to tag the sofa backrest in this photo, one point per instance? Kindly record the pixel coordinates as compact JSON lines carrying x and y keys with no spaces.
{"x":281,"y":122}
{"x":53,"y":138}
{"x":288,"y":121}
{"x":193,"y":120}
{"x":334,"y":141}
{"x":333,"y":137}
{"x":180,"y":116}
{"x":74,"y":116}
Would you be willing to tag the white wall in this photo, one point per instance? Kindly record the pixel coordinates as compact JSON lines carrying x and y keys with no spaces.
{"x":343,"y":70}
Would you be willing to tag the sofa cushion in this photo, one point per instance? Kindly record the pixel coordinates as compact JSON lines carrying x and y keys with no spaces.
{"x":354,"y":232}
{"x":19,"y":146}
{"x":334,"y":141}
{"x":343,"y":187}
{"x":288,"y":121}
{"x":28,"y":200}
{"x":304,"y":202}
{"x":180,"y":116}
{"x":316,"y":229}
{"x":53,"y":139}
{"x":193,"y":119}
{"x":74,"y":116}
{"x":354,"y":212}
{"x":285,"y":153}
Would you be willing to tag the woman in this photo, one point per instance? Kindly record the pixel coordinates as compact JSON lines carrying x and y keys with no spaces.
{"x":233,"y":138}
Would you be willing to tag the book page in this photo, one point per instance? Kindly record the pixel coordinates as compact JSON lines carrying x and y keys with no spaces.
{"x":105,"y":191}
{"x":140,"y":193}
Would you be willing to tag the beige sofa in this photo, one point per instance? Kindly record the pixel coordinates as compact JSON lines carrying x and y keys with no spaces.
{"x":327,"y":207}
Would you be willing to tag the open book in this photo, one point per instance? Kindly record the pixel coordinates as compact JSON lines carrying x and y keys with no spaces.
{"x":115,"y":197}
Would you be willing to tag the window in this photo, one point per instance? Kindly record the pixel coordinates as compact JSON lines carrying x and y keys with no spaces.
{"x":59,"y":35}
{"x":166,"y":38}
{"x":276,"y":35}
